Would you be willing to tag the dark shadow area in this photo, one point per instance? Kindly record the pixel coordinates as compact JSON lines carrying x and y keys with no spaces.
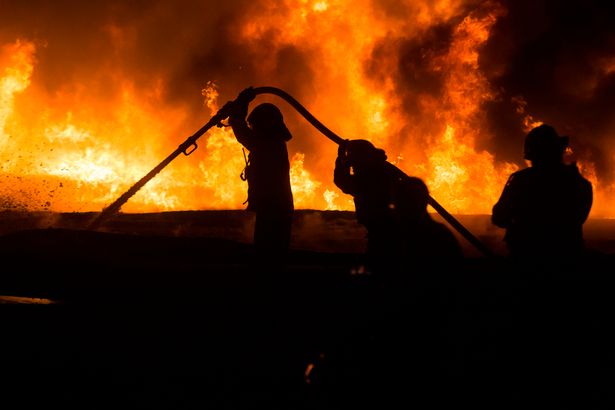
{"x":148,"y":321}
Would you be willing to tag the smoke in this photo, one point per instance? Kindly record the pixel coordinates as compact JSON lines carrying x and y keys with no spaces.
{"x":551,"y":60}
{"x":409,"y":61}
{"x":559,"y":57}
{"x":182,"y":45}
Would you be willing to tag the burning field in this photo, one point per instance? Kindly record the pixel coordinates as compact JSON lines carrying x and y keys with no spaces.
{"x":93,"y":96}
{"x":162,"y":306}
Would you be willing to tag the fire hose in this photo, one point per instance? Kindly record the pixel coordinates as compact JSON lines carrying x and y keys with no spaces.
{"x":190,"y":145}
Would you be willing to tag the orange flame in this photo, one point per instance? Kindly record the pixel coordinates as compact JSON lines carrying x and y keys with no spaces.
{"x":81,"y":147}
{"x":461,"y":178}
{"x":18,"y":60}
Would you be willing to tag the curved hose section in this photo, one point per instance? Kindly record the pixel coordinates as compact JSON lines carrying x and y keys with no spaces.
{"x":302,"y":110}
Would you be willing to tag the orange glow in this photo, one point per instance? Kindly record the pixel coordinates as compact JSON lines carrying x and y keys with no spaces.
{"x":17,"y":62}
{"x":603,"y":204}
{"x":529,"y":122}
{"x":81,"y":146}
{"x":464,"y":180}
{"x":302,"y":184}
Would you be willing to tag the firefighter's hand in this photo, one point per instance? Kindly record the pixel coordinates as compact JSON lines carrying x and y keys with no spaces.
{"x":234,"y":110}
{"x":342,"y":150}
{"x":227,"y":109}
{"x":342,"y":155}
{"x":246,"y":96}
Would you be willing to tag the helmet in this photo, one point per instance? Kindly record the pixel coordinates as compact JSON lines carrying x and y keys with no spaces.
{"x":543,"y":142}
{"x":363,"y":152}
{"x":267,"y":118}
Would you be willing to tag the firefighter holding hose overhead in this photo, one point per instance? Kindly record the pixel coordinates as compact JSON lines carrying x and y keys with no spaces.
{"x":543,"y":207}
{"x":264,"y":134}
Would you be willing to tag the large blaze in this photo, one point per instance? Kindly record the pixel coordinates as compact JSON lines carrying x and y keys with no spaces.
{"x":405,"y":75}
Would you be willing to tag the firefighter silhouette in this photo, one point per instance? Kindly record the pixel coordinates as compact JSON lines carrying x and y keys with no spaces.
{"x":360,"y":171}
{"x":543,"y":207}
{"x":264,"y":134}
{"x":400,"y":232}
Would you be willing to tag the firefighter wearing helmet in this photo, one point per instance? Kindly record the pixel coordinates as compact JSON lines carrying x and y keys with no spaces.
{"x":543,"y":207}
{"x":264,"y":134}
{"x":360,"y":171}
{"x":400,"y":232}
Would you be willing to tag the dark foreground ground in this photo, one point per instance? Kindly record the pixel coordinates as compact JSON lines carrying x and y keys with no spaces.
{"x":171,"y":311}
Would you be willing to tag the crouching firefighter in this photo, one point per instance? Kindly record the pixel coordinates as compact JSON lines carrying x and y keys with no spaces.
{"x":264,"y":134}
{"x":361,"y":171}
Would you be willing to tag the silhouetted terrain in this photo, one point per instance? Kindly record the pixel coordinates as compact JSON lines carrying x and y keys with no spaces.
{"x":169,"y":311}
{"x":329,"y":231}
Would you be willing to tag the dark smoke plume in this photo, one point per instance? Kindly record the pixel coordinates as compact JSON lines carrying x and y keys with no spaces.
{"x":556,"y":55}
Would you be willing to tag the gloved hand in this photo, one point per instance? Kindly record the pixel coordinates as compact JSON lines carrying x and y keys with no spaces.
{"x":238,"y":108}
{"x":246,"y":96}
{"x":234,"y":110}
{"x":342,"y":149}
{"x":227,"y":109}
{"x":342,"y":153}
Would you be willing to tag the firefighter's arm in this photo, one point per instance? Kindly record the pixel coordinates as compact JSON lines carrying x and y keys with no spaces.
{"x":237,"y":111}
{"x":237,"y":121}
